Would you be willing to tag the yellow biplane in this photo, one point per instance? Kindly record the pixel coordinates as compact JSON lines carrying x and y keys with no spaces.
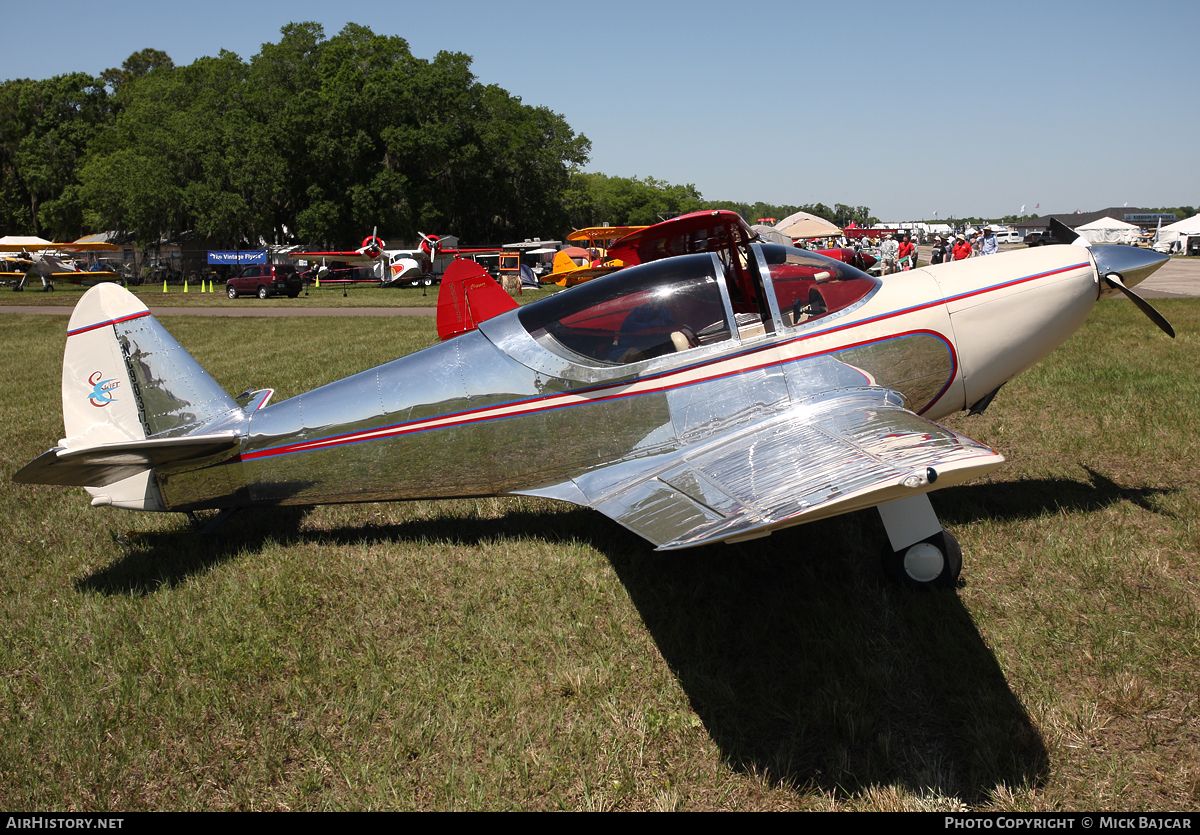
{"x":49,"y":261}
{"x":577,"y":264}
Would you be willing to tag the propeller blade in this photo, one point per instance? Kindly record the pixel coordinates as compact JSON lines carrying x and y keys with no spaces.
{"x":1114,"y":280}
{"x":1062,"y":233}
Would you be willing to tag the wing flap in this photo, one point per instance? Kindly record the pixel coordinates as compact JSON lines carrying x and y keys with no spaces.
{"x":856,"y":450}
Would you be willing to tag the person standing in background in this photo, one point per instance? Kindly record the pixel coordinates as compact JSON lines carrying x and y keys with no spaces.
{"x":940,"y":251}
{"x":962,"y":249}
{"x":888,"y":253}
{"x":907,"y":253}
{"x":989,"y":245}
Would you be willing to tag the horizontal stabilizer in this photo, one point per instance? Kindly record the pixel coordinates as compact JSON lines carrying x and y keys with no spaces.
{"x":104,"y":464}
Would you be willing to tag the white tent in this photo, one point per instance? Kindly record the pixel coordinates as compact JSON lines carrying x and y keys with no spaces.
{"x":771,"y":234}
{"x":1109,"y":230}
{"x":804,"y":225}
{"x":1187,"y":226}
{"x":22,"y":243}
{"x":1178,"y":233}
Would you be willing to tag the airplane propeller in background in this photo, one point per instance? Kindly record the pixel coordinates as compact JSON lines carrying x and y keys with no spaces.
{"x":1120,"y":268}
{"x":432,"y":242}
{"x":372,"y":246}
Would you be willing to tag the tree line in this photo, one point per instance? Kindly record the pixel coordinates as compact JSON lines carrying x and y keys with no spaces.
{"x":313,"y":140}
{"x":593,"y":199}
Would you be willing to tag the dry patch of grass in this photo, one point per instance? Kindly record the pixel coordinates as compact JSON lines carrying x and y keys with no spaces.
{"x":505,"y":654}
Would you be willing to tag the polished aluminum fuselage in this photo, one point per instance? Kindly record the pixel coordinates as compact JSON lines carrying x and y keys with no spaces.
{"x":493,"y":412}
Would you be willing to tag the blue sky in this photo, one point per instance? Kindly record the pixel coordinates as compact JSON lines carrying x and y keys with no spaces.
{"x":909,"y":108}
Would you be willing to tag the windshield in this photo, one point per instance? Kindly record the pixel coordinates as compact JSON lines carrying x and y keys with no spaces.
{"x":636,"y":314}
{"x":808,"y":286}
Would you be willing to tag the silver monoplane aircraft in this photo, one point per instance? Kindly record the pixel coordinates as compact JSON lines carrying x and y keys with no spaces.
{"x":711,"y":397}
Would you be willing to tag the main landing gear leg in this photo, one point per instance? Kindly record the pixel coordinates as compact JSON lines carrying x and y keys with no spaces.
{"x":920,"y":553}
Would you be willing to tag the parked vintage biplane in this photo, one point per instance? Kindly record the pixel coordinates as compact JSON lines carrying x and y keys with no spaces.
{"x":717,"y":396}
{"x":587,"y":258}
{"x":34,"y":258}
{"x":693,"y":232}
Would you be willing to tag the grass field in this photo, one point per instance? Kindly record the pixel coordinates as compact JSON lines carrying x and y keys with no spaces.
{"x":523,"y":654}
{"x":327,"y":295}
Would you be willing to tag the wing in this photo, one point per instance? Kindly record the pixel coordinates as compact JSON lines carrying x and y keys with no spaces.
{"x":853,"y":450}
{"x":351,"y":256}
{"x":581,"y":274}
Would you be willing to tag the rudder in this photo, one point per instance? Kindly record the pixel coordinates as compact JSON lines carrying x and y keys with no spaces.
{"x":468,"y":296}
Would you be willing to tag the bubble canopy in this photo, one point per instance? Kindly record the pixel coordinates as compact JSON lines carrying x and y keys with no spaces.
{"x":635,"y":314}
{"x":679,"y":303}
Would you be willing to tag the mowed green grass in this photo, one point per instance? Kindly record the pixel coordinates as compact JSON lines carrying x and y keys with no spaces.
{"x":364,"y":294}
{"x":521,"y":654}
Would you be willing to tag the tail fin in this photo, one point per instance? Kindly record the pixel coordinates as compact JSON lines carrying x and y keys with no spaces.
{"x":125,"y":378}
{"x":468,"y":296}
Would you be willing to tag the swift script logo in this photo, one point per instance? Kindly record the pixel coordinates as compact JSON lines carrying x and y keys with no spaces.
{"x":101,"y":390}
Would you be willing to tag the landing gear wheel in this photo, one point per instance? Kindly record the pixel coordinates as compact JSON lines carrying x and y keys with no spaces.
{"x":932,"y":563}
{"x":428,"y":282}
{"x":263,"y":293}
{"x":231,"y":291}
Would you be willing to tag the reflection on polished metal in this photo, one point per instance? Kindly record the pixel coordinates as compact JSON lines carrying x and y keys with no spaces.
{"x":685,"y":404}
{"x":1133,"y":264}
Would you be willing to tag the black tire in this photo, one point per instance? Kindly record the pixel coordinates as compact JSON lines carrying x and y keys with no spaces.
{"x":293,"y":295}
{"x":264,"y":293}
{"x":231,"y":291}
{"x":428,"y":282}
{"x":915,"y":567}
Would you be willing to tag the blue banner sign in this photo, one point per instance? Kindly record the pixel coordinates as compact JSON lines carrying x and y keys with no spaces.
{"x":230,"y":256}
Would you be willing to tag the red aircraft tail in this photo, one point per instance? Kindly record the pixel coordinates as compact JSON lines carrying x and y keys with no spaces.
{"x":467,"y":297}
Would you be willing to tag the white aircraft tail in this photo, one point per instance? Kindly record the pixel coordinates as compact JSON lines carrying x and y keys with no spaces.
{"x":127,"y":380}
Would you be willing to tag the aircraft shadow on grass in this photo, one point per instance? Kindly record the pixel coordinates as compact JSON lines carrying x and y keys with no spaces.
{"x":165,"y":559}
{"x":802,"y":664}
